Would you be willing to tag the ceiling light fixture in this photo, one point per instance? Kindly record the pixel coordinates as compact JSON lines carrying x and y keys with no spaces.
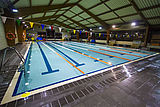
{"x":100,"y":27}
{"x":113,"y":26}
{"x":133,"y":24}
{"x":15,"y":10}
{"x":20,"y":18}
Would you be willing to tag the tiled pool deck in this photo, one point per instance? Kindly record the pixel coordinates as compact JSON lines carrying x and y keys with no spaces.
{"x":107,"y":89}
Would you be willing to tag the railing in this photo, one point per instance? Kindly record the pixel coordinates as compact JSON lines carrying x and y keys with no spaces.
{"x":3,"y":62}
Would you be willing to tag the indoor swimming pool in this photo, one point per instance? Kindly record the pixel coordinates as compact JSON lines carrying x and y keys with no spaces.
{"x":51,"y":64}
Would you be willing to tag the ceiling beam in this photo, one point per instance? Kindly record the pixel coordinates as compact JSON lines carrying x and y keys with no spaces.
{"x":40,"y":9}
{"x":113,"y":11}
{"x":30,"y":4}
{"x":57,"y":22}
{"x":128,"y":5}
{"x":121,"y":17}
{"x":60,"y":9}
{"x":89,"y":8}
{"x":71,"y":7}
{"x":79,"y":24}
{"x":138,"y":11}
{"x":42,"y":18}
{"x":152,"y":7}
{"x":15,"y":2}
{"x":105,"y":25}
{"x":50,"y":2}
{"x":156,"y":17}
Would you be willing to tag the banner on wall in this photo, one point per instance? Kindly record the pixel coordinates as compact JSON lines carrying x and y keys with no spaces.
{"x":74,"y":31}
{"x":42,"y":25}
{"x":119,"y":35}
{"x":51,"y":28}
{"x":60,"y":29}
{"x":80,"y":32}
{"x":4,"y":19}
{"x":116,"y":35}
{"x":18,"y":22}
{"x":31,"y":24}
{"x":68,"y":30}
{"x":86,"y":33}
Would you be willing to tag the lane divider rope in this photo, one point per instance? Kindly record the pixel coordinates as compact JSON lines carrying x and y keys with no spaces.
{"x":107,"y":54}
{"x":129,"y":51}
{"x":90,"y":57}
{"x":64,"y":58}
{"x":120,"y":52}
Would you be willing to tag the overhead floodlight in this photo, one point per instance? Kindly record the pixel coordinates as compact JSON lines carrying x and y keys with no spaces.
{"x":110,"y":63}
{"x":113,"y":26}
{"x":133,"y":24}
{"x":20,"y":18}
{"x":100,"y":27}
{"x":15,"y":10}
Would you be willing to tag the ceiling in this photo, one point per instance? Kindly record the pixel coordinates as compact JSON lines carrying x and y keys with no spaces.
{"x":84,"y":14}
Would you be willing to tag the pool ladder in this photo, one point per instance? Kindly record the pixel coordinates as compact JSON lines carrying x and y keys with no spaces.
{"x":22,"y":67}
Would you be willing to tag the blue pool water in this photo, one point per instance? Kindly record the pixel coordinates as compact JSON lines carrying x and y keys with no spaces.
{"x":49,"y":63}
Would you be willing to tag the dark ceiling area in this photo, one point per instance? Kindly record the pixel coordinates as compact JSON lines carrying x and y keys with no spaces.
{"x":85,"y":14}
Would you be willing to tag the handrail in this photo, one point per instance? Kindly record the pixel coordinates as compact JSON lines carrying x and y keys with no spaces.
{"x":16,"y":51}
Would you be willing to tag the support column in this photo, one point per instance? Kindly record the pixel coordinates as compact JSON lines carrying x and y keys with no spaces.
{"x":3,"y":41}
{"x":20,"y":33}
{"x":108,"y":36}
{"x":10,"y":28}
{"x":89,"y":37}
{"x":146,"y":36}
{"x":77,"y":35}
{"x":24,"y":34}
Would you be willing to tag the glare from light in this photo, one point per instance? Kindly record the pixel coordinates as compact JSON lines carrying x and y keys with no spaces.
{"x":109,"y":63}
{"x":126,"y":70}
{"x":100,"y":27}
{"x":83,"y":30}
{"x":90,"y":29}
{"x":133,"y":24}
{"x":15,"y":10}
{"x":91,"y":33}
{"x":113,"y":26}
{"x":23,"y":22}
{"x":20,"y":18}
{"x":25,"y":25}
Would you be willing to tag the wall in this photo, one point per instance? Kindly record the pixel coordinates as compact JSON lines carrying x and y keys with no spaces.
{"x":3,"y":42}
{"x":9,"y":27}
{"x":16,"y":40}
